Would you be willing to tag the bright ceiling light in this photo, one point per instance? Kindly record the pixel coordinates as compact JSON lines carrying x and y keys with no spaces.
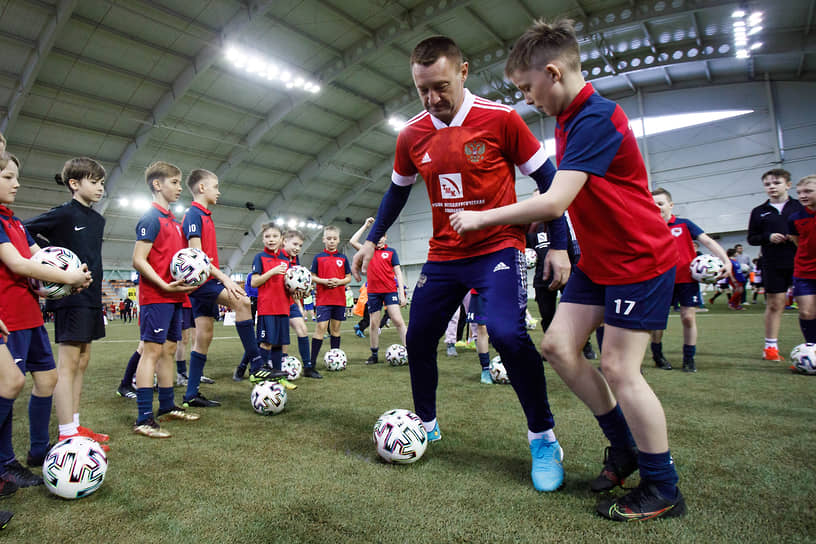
{"x":756,"y":45}
{"x":738,"y":14}
{"x":257,"y":64}
{"x":396,"y":122}
{"x":124,"y":202}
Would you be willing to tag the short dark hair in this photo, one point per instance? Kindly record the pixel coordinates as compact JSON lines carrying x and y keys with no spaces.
{"x":80,"y":168}
{"x":543,"y":43}
{"x":662,"y":191}
{"x":777,"y":173}
{"x":430,"y":49}
{"x":730,"y":251}
{"x":196,"y":176}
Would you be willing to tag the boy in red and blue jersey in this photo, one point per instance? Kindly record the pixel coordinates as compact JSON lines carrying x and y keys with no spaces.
{"x":738,"y":281}
{"x":802,"y":232}
{"x":624,"y":278}
{"x":268,"y":270}
{"x":331,"y":273}
{"x":686,"y":290}
{"x":27,"y":341}
{"x":385,"y":287}
{"x":292,"y":245}
{"x":467,"y":148}
{"x":199,"y":230}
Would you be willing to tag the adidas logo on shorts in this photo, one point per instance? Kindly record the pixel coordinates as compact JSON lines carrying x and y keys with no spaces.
{"x":500,"y":266}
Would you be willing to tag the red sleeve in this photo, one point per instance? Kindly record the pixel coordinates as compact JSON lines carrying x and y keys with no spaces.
{"x":403,"y":165}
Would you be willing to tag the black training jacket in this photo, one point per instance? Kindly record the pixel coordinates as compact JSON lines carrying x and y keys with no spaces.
{"x":765,"y":220}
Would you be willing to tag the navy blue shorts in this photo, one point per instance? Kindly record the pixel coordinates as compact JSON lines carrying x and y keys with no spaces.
{"x":78,"y":325}
{"x":803,"y":287}
{"x":476,"y":312}
{"x":639,"y":306}
{"x":161,"y":322}
{"x":187,"y":321}
{"x":31,"y":350}
{"x":325,"y":313}
{"x":377,"y":300}
{"x":686,"y":294}
{"x":273,"y":329}
{"x":205,"y":299}
{"x":294,"y":312}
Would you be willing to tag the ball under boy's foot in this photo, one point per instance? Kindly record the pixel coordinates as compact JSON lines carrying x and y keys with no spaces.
{"x":642,"y":503}
{"x":200,"y":401}
{"x":5,"y":517}
{"x":689,"y":365}
{"x":87,"y":433}
{"x":661,"y":362}
{"x":181,"y":379}
{"x":548,"y":464}
{"x":177,"y":412}
{"x":311,"y":372}
{"x":7,"y":488}
{"x":208,"y":381}
{"x":372,"y":360}
{"x":126,"y":391}
{"x":486,"y":378}
{"x":17,"y":473}
{"x":150,"y":429}
{"x":619,"y":464}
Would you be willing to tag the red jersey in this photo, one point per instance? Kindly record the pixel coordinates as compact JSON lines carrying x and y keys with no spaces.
{"x":272,"y":296}
{"x":160,"y":227}
{"x":684,"y":233}
{"x":380,"y":276}
{"x":468,"y":165}
{"x":198,"y":223}
{"x":330,"y":265}
{"x":803,"y":224}
{"x":19,"y":307}
{"x":622,"y":235}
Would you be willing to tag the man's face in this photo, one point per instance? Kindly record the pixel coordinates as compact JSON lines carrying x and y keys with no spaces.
{"x":441,"y":87}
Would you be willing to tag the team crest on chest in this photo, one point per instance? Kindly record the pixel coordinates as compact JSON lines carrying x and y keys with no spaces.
{"x":475,"y":151}
{"x":676,"y":231}
{"x":338,"y":262}
{"x":451,"y":185}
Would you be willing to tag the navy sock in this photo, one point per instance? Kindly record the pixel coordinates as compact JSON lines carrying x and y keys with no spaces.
{"x":599,"y":332}
{"x":275,"y":357}
{"x":484,"y":360}
{"x":130,"y":371}
{"x":197,"y":361}
{"x":657,"y":349}
{"x":808,"y":327}
{"x":375,"y":352}
{"x":166,"y":401}
{"x":6,"y":449}
{"x":181,"y":366}
{"x":303,"y":348}
{"x":144,"y":404}
{"x":615,"y":428}
{"x":317,"y":343}
{"x":265,"y":354}
{"x":248,"y":339}
{"x":334,"y":342}
{"x":243,"y":364}
{"x":689,"y":352}
{"x":39,"y":416}
{"x":658,"y":469}
{"x":256,"y":363}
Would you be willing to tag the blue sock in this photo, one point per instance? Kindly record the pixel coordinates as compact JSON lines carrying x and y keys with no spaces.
{"x":6,"y":449}
{"x":375,"y":352}
{"x":316,"y":345}
{"x":181,"y":366}
{"x":144,"y":404}
{"x":39,"y":416}
{"x":615,"y":428}
{"x":197,"y":361}
{"x":276,"y":356}
{"x":334,"y":342}
{"x":265,"y":356}
{"x":657,"y":349}
{"x":248,"y":339}
{"x":689,"y":352}
{"x":484,"y":360}
{"x":658,"y":469}
{"x":130,"y":371}
{"x":243,"y":364}
{"x":599,"y":332}
{"x":166,"y":401}
{"x":303,"y":348}
{"x":808,"y":327}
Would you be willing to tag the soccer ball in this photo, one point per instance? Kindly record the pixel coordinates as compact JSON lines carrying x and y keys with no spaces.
{"x":74,"y":468}
{"x":705,"y":268}
{"x":400,"y":437}
{"x":58,"y":257}
{"x":335,"y":359}
{"x":268,"y":398}
{"x":803,"y":358}
{"x":298,"y":280}
{"x":531,"y":257}
{"x":396,"y":355}
{"x":292,"y":366}
{"x":497,"y":370}
{"x":191,"y":266}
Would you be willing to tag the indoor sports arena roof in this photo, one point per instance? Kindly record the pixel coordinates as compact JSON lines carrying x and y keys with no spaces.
{"x":295,"y":104}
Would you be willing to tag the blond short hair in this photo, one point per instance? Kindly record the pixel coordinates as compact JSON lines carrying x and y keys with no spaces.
{"x":543,"y":43}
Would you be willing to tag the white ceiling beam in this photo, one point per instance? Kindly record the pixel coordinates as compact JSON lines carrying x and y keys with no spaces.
{"x":36,"y":59}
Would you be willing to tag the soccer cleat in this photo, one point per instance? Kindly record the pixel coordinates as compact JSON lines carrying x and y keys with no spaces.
{"x":548,"y":465}
{"x":358,"y":332}
{"x":286,"y":383}
{"x":265,"y":374}
{"x":208,"y":381}
{"x":619,"y":463}
{"x":452,"y":351}
{"x":181,"y":379}
{"x":37,"y":460}
{"x":434,"y":434}
{"x":200,"y":401}
{"x":177,"y":412}
{"x":98,"y":437}
{"x":238,"y":375}
{"x":771,"y":354}
{"x":486,"y":378}
{"x":661,"y":362}
{"x":150,"y":429}
{"x":17,"y":473}
{"x":642,"y":503}
{"x":126,"y":391}
{"x":62,"y":437}
{"x":5,"y":517}
{"x":7,"y":488}
{"x":689,"y":365}
{"x":311,"y":372}
{"x":372,"y":360}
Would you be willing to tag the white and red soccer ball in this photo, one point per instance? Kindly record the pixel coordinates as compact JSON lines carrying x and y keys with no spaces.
{"x":191,"y":266}
{"x":58,"y":257}
{"x":400,"y":437}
